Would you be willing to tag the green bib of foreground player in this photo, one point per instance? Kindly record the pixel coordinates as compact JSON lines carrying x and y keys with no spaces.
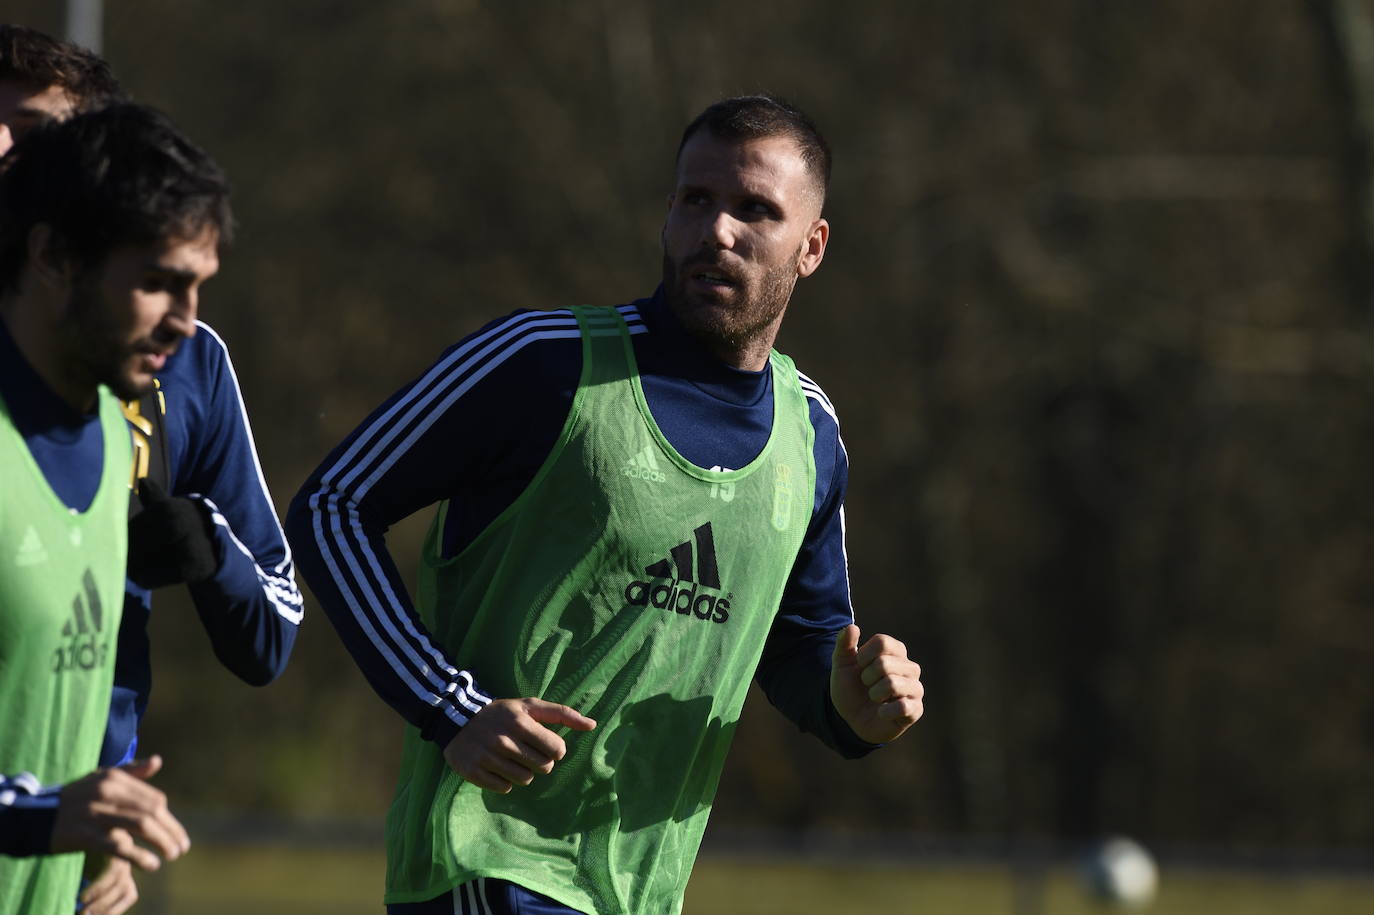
{"x":61,"y":596}
{"x":636,"y":588}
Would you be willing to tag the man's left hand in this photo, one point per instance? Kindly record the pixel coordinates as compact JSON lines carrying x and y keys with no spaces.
{"x":172,"y":540}
{"x":113,"y":890}
{"x":875,"y":687}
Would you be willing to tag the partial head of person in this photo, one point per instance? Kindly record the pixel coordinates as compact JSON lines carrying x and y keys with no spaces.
{"x":110,"y":222}
{"x":744,"y":222}
{"x":43,"y":79}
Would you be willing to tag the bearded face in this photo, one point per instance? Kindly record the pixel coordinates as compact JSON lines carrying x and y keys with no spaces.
{"x":743,"y":225}
{"x":124,"y":317}
{"x":736,"y":308}
{"x":99,"y":344}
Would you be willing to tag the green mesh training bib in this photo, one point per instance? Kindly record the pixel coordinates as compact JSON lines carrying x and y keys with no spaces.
{"x":61,"y":597}
{"x":636,"y":588}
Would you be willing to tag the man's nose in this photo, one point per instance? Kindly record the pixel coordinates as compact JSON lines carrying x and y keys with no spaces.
{"x":181,"y":319}
{"x":720,"y":231}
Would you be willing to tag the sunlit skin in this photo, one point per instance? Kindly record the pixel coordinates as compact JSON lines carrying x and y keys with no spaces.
{"x":744,"y":224}
{"x":22,"y":109}
{"x":115,"y":325}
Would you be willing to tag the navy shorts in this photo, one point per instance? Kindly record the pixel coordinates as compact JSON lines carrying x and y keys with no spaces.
{"x":484,"y":896}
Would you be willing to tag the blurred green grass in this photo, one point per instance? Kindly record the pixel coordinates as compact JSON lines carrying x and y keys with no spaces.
{"x":267,"y":880}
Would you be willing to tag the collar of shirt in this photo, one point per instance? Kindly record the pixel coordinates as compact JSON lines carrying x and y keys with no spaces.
{"x":669,"y":350}
{"x":34,"y":408}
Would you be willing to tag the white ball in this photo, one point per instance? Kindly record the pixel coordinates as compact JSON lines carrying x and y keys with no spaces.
{"x":1120,"y":870}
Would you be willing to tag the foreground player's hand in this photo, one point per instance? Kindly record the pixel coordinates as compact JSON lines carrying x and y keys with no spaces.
{"x":875,"y":687}
{"x":111,"y":811}
{"x":171,"y":540}
{"x":113,"y":890}
{"x":507,"y":743}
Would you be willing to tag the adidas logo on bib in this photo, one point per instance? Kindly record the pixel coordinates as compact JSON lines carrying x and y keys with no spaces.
{"x":673,"y":586}
{"x":31,"y":551}
{"x":644,"y":466}
{"x":85,"y":645}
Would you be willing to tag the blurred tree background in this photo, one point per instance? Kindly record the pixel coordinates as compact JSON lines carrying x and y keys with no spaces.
{"x":1095,"y":316}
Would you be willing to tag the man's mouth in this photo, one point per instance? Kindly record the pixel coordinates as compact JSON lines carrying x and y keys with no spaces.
{"x":714,"y":275}
{"x":715,"y":278}
{"x":155,"y":356}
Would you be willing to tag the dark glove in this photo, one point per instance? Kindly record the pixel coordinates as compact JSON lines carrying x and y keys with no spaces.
{"x":172,"y":540}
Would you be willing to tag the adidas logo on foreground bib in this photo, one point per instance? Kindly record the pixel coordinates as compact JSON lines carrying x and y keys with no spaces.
{"x":672,"y":584}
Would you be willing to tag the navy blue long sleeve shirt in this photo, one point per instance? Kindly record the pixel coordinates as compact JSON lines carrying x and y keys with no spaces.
{"x":476,"y":427}
{"x":250,"y":608}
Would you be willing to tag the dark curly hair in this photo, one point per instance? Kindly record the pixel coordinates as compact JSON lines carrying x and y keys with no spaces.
{"x":116,"y":176}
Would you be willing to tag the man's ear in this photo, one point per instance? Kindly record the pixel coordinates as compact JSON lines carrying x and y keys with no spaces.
{"x":813,"y":250}
{"x":663,"y":231}
{"x":49,"y":262}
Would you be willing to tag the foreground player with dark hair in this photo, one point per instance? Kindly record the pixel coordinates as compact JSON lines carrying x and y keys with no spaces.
{"x":202,"y":513}
{"x":640,"y":510}
{"x":109,"y":224}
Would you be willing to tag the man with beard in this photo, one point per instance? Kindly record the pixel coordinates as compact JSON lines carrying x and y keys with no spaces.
{"x":109,"y":225}
{"x":201,"y":512}
{"x":640,"y":508}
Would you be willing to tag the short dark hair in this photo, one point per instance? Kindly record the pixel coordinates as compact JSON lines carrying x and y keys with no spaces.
{"x":36,"y":61}
{"x":749,"y":117}
{"x":122,"y":175}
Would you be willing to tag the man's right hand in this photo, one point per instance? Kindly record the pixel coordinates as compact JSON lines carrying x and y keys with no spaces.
{"x":108,"y":810}
{"x":507,"y":743}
